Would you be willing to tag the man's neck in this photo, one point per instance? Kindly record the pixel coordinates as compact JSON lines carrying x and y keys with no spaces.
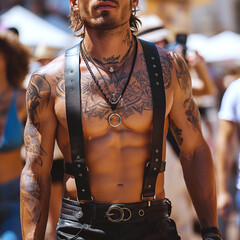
{"x":109,"y":44}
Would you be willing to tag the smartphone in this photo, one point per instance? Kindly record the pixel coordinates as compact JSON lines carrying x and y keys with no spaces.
{"x":182,"y":39}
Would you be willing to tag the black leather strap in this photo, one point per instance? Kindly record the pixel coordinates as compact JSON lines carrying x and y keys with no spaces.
{"x":74,"y":120}
{"x":156,"y":165}
{"x":73,"y":108}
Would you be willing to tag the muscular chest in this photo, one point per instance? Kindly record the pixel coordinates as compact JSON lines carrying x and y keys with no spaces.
{"x":135,"y":106}
{"x":134,"y":109}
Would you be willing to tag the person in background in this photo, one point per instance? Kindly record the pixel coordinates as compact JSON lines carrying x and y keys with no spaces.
{"x":14,"y":30}
{"x":14,"y":62}
{"x":227,"y":150}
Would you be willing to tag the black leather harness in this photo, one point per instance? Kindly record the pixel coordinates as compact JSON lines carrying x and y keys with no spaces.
{"x":78,"y":168}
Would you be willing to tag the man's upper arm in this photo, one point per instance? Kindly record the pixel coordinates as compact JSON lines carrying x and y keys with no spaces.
{"x":39,"y":132}
{"x":184,"y":117}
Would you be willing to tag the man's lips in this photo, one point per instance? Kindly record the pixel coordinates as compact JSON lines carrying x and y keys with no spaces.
{"x":105,"y":5}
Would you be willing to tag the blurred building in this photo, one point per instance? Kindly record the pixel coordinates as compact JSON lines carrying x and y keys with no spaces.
{"x":221,"y":15}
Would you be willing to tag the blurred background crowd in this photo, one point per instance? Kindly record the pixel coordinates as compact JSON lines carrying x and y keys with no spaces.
{"x":205,"y":32}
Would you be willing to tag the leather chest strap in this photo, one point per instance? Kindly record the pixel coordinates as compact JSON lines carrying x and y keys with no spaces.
{"x":155,"y":165}
{"x":74,"y":121}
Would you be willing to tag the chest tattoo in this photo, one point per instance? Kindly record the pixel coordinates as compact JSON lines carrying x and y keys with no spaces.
{"x":136,"y":99}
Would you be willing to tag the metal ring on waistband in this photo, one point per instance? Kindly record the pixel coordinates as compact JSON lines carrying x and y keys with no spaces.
{"x":130,"y":214}
{"x":120,"y":210}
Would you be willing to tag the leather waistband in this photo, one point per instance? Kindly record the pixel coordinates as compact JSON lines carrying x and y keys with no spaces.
{"x":91,"y":213}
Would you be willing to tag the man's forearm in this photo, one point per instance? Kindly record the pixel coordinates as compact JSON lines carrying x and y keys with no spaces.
{"x":199,"y":177}
{"x":34,"y":205}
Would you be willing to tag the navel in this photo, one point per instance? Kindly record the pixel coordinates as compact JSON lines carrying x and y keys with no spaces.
{"x":120,"y":185}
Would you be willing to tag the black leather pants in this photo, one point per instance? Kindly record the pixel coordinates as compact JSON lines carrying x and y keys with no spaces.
{"x":140,"y":221}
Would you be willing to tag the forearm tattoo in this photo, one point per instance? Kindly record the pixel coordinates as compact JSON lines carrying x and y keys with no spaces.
{"x":176,"y":131}
{"x":30,"y":198}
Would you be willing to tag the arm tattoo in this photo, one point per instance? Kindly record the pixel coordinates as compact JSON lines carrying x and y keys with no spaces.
{"x":166,"y":63}
{"x":192,"y":113}
{"x":38,"y":97}
{"x":33,"y":147}
{"x":177,"y":132}
{"x":182,"y":74}
{"x":30,"y":197}
{"x":37,"y":87}
{"x":60,"y":87}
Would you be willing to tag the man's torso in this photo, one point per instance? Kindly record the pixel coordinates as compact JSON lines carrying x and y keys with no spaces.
{"x":115,"y":157}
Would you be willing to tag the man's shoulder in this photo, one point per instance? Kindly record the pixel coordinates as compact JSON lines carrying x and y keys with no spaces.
{"x":51,"y":72}
{"x":53,"y":67}
{"x":164,"y":54}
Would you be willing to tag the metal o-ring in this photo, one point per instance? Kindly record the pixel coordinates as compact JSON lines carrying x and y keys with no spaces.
{"x":141,"y":212}
{"x":114,"y":114}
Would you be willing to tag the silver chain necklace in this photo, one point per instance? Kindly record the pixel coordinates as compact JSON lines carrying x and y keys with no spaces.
{"x":112,"y":103}
{"x":110,"y":69}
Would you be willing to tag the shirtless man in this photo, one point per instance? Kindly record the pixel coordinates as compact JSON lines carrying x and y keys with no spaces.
{"x":116,"y":146}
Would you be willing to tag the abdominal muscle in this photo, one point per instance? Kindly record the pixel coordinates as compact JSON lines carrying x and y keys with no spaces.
{"x":116,"y":162}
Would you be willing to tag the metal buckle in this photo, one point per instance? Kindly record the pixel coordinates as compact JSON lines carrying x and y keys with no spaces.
{"x":154,"y":197}
{"x":118,"y":211}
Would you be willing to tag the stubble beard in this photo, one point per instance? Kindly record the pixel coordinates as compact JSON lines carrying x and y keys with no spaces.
{"x":106,"y":21}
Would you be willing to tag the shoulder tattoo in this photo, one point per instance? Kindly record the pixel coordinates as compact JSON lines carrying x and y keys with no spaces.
{"x":166,"y":63}
{"x":60,"y":87}
{"x":38,"y":97}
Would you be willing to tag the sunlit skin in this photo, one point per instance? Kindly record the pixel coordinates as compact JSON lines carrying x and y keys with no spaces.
{"x":115,"y":156}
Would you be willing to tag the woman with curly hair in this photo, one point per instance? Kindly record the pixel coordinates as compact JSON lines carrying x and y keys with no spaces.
{"x":14,"y":61}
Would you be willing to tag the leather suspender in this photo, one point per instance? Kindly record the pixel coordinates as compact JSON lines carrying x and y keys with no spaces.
{"x":74,"y":120}
{"x":156,"y":165}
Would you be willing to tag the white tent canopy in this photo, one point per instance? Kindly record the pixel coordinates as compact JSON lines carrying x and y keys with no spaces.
{"x":34,"y":30}
{"x":221,"y":47}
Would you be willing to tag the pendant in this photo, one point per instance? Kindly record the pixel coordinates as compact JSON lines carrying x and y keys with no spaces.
{"x":114,"y":120}
{"x":111,"y":69}
{"x":114,"y":98}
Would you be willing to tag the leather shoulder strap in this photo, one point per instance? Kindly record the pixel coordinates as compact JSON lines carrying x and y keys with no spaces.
{"x":156,"y":165}
{"x":74,"y":120}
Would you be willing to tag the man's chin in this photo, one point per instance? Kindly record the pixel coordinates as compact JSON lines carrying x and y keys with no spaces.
{"x":103,"y":24}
